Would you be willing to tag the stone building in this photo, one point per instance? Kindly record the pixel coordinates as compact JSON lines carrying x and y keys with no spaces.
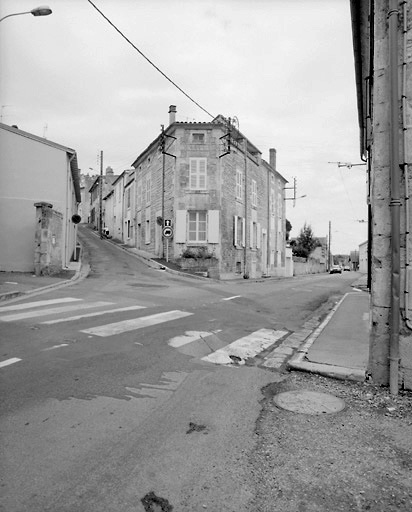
{"x":222,"y":203}
{"x":382,"y":39}
{"x":94,"y":196}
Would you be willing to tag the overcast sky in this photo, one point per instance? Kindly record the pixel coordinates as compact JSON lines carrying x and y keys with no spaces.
{"x":284,"y":68}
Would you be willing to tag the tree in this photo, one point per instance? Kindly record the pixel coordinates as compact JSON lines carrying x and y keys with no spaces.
{"x":288,"y":229}
{"x":305,"y":242}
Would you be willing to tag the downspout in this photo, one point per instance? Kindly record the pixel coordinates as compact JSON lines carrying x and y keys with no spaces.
{"x":395,"y":198}
{"x":405,"y":169}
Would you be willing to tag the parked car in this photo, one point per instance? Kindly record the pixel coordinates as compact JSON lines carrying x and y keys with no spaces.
{"x":346,"y":268}
{"x":335,"y":269}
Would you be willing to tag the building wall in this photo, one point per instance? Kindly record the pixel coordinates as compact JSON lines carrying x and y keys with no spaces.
{"x":381,"y":227}
{"x":31,"y":172}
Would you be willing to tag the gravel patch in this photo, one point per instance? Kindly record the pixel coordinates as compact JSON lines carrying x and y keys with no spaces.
{"x":359,"y":459}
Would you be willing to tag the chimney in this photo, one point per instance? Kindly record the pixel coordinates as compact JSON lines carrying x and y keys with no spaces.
{"x":272,"y":158}
{"x":172,"y":114}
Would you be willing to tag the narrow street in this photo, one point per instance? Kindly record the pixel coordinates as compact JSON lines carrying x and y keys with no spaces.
{"x":115,"y":395}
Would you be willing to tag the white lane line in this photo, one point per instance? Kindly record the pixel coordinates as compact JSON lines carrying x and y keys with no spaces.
{"x":52,"y":311}
{"x":231,"y":298}
{"x":302,"y":290}
{"x":136,"y":323}
{"x":9,"y":361}
{"x":37,"y":304}
{"x":55,"y":346}
{"x":246,"y":347}
{"x":88,"y":315}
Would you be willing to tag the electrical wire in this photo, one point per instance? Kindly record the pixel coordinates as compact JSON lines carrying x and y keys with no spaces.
{"x":149,"y":61}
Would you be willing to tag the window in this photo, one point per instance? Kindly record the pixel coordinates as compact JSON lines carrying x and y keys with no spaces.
{"x":147,"y":231}
{"x":197,"y":226}
{"x":254,"y":235}
{"x":148,"y":190}
{"x":239,"y":184}
{"x":128,"y":198}
{"x":197,"y":178}
{"x":198,"y":138}
{"x":254,"y":193}
{"x":128,"y":228}
{"x":239,"y":231}
{"x":139,"y":194}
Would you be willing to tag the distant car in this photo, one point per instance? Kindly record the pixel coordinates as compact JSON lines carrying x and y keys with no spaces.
{"x":335,"y":269}
{"x":346,"y":268}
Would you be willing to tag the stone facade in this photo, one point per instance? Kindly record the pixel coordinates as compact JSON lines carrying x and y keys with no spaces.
{"x":388,"y":146}
{"x":229,"y":204}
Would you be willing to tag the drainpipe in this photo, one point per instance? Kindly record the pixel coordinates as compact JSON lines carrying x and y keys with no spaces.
{"x":408,"y":322}
{"x":395,"y":197}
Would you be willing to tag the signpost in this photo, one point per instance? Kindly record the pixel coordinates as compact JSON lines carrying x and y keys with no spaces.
{"x":167,"y":233}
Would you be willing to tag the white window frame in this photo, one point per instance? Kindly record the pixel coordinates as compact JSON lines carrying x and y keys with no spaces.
{"x":254,"y":193}
{"x":197,"y":173}
{"x":147,"y":232}
{"x":193,"y":216}
{"x":148,"y":189}
{"x":239,"y":232}
{"x":239,"y":184}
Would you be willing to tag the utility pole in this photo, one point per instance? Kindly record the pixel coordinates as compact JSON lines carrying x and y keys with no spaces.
{"x":329,"y":242}
{"x":245,"y":273}
{"x":101,"y":196}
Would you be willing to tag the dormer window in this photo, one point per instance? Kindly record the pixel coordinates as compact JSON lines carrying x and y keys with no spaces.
{"x":198,"y":138}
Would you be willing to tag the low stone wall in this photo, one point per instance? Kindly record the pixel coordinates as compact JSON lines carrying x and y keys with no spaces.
{"x":310,"y":266}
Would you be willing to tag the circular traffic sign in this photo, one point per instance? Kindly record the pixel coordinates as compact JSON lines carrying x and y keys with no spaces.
{"x":167,"y":232}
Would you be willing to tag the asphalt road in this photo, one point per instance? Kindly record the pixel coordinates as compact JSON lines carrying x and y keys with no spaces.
{"x":111,"y":403}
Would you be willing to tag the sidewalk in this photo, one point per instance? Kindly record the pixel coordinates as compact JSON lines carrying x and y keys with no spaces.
{"x":17,"y":284}
{"x":339,"y":347}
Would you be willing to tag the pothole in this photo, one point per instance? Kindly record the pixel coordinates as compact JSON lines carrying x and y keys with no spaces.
{"x":309,"y":402}
{"x":153,"y":503}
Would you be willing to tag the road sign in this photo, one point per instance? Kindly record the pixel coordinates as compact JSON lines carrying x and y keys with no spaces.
{"x":167,"y":232}
{"x":167,"y":223}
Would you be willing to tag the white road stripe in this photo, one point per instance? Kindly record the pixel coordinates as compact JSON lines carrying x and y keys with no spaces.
{"x":39,"y":303}
{"x":88,"y":315}
{"x":246,"y":347}
{"x":9,"y":361}
{"x":55,"y":346}
{"x":135,"y":323}
{"x":231,"y":298}
{"x":52,"y":311}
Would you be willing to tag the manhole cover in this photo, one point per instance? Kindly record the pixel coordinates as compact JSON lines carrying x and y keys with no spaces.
{"x":309,"y":402}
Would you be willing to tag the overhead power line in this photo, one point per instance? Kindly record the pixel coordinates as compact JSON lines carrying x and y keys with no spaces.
{"x":148,"y":60}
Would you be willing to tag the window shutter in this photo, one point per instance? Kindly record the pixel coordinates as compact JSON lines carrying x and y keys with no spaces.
{"x":243,"y":232}
{"x":180,"y":228}
{"x":251,"y":233}
{"x":235,"y":230}
{"x":213,"y":227}
{"x":259,"y":236}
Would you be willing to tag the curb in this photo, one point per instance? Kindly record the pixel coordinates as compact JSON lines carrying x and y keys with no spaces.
{"x":81,"y":274}
{"x":298,"y":361}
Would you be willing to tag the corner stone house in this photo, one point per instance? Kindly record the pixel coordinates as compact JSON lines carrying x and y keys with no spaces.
{"x":224,"y":203}
{"x":39,"y":195}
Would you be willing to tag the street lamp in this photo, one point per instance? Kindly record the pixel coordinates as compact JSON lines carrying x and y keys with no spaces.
{"x":43,"y":10}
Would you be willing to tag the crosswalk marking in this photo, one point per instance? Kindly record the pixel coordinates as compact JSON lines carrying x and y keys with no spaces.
{"x":9,"y":361}
{"x":246,"y":347}
{"x":89,"y":315}
{"x":51,"y":311}
{"x":28,"y":305}
{"x":135,"y":323}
